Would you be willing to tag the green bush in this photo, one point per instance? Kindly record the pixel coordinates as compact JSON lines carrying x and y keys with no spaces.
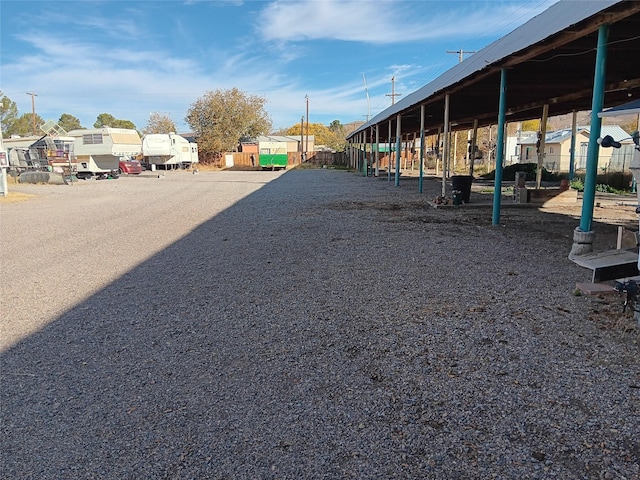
{"x":612,"y":182}
{"x":577,"y":184}
{"x":617,"y":180}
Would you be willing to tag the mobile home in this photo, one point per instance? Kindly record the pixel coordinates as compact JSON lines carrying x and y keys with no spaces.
{"x":168,"y":150}
{"x":99,"y":151}
{"x":38,"y":152}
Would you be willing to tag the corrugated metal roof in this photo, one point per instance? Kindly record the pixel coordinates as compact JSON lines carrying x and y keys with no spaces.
{"x":629,"y":108}
{"x":560,"y":136}
{"x":618,"y":134}
{"x":554,"y":20}
{"x":557,"y":136}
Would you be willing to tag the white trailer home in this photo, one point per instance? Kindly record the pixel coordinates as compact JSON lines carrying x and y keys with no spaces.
{"x":98,"y":151}
{"x":168,"y":150}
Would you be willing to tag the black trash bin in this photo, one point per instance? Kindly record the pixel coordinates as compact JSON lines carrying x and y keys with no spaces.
{"x":462,"y":183}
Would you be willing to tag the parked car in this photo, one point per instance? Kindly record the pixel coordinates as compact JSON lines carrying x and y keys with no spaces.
{"x":130,"y":167}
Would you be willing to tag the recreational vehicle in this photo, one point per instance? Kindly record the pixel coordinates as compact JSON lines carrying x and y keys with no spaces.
{"x":168,"y":150}
{"x":99,"y":151}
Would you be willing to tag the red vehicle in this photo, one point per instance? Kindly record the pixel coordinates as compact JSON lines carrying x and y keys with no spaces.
{"x":130,"y":167}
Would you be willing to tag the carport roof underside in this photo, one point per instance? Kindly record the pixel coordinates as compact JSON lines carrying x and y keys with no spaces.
{"x":549,"y":60}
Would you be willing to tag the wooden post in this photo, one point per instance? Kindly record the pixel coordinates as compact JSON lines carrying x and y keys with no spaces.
{"x":474,"y":142}
{"x":445,"y":147}
{"x":543,"y":134}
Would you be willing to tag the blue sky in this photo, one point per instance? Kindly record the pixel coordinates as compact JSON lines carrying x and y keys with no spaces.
{"x":131,"y":58}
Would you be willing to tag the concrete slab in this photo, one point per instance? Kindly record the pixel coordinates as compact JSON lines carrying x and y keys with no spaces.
{"x":610,"y":264}
{"x":596,"y":288}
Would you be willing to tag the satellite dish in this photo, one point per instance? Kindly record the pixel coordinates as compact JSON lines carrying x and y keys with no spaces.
{"x":608,"y":141}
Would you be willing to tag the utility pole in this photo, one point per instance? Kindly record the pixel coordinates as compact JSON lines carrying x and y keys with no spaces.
{"x":306,"y":148}
{"x":393,"y":93}
{"x":366,"y":90}
{"x":460,"y":53}
{"x":302,"y":138}
{"x":33,"y":110}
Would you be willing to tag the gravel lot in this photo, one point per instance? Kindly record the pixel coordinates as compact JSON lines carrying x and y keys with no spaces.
{"x":306,"y":324}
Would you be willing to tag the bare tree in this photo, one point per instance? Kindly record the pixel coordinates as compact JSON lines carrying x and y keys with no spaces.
{"x":159,"y":123}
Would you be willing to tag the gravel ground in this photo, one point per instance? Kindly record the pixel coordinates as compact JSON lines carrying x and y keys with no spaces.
{"x":307,"y":324}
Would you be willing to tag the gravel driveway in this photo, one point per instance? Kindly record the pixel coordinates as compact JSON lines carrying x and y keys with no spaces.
{"x":302,"y":325}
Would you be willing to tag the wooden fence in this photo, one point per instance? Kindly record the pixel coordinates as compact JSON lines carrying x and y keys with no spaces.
{"x":243,"y":159}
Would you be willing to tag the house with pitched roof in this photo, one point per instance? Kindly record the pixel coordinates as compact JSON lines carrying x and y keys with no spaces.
{"x":557,"y":150}
{"x":266,"y":143}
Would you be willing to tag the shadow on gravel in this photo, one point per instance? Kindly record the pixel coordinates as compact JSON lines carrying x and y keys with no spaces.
{"x":274,"y":342}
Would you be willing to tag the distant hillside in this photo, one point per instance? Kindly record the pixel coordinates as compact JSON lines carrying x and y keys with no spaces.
{"x":352,"y":126}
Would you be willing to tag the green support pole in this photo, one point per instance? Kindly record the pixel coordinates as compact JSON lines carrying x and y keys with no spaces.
{"x":377,"y":150}
{"x":389,"y":157}
{"x":398,"y":146}
{"x":572,"y":153}
{"x":421,"y":147}
{"x":497,"y":189}
{"x":588,"y":200}
{"x":365,"y":164}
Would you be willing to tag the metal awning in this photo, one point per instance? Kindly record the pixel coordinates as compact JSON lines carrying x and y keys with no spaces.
{"x":550,"y":60}
{"x":629,"y":108}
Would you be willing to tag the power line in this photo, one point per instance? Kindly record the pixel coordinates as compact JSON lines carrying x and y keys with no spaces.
{"x":461,"y":53}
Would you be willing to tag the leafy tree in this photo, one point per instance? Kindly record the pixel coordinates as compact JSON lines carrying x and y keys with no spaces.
{"x":534,"y":125}
{"x":222,"y":117}
{"x":159,"y":123}
{"x":332,"y":136}
{"x":105,"y":120}
{"x":336,"y":127}
{"x":108,"y":120}
{"x":125,"y":124}
{"x":69,"y":122}
{"x":23,"y":125}
{"x":340,"y":133}
{"x":531,"y":125}
{"x":8,"y":112}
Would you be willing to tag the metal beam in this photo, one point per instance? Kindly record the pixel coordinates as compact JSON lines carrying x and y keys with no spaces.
{"x":377,"y":150}
{"x":421,"y":156}
{"x":389,"y":157}
{"x":398,"y":147}
{"x":588,"y":199}
{"x":497,"y":189}
{"x":572,"y":152}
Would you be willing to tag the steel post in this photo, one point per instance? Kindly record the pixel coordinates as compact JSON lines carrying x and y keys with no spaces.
{"x":398,"y":146}
{"x":497,"y":189}
{"x":588,"y":200}
{"x":421,"y":156}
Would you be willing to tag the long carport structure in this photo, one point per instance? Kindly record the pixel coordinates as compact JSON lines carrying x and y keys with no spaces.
{"x":574,"y":56}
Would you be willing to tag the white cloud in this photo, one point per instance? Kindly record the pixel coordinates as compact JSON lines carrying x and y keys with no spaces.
{"x":130,"y":71}
{"x":385,"y":21}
